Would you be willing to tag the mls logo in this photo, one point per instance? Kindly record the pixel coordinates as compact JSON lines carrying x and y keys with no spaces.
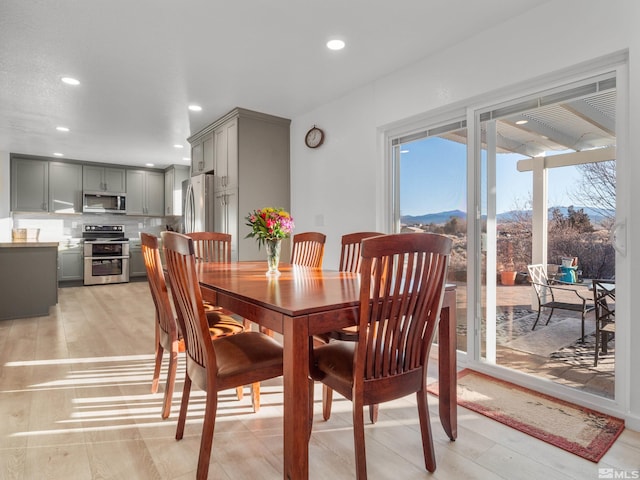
{"x":605,"y":473}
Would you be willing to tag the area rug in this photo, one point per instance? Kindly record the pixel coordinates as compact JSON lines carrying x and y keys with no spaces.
{"x":582,"y":355}
{"x":546,"y":339}
{"x":573,"y":428}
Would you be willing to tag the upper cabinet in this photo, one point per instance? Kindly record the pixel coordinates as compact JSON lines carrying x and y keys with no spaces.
{"x":173,"y":178}
{"x":226,"y":157}
{"x":29,"y":185}
{"x":104,"y":179}
{"x":251,"y":171}
{"x":145,"y":192}
{"x":65,"y":187}
{"x":203,"y":155}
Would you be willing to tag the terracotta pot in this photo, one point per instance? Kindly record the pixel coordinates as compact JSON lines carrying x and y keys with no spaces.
{"x":508,"y":278}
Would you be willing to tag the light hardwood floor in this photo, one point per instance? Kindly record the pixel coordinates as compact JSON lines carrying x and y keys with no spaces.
{"x":75,"y":404}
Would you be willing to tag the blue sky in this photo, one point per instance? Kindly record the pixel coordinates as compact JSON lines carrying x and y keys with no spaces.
{"x":433,"y":179}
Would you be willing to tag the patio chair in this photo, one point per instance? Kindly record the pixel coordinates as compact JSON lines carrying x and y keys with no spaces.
{"x":557,"y":296}
{"x":604,"y":298}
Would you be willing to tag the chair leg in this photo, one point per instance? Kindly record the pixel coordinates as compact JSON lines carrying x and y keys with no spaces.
{"x":549,"y":318}
{"x":373,"y":413}
{"x":327,"y":399}
{"x":171,"y":381}
{"x":358,"y":439}
{"x":425,"y":430}
{"x":206,"y":442}
{"x":255,"y":396}
{"x":537,"y":318}
{"x":311,"y":394}
{"x":597,"y":339}
{"x":156,"y":370}
{"x":182,"y":417}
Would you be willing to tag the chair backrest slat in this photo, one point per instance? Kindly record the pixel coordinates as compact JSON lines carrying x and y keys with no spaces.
{"x":187,"y":298}
{"x":157,"y":284}
{"x":402,"y":286}
{"x":211,"y":246}
{"x":308,"y":249}
{"x":350,"y":251}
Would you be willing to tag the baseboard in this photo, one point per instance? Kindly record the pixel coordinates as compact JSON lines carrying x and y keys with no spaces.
{"x":632,"y":422}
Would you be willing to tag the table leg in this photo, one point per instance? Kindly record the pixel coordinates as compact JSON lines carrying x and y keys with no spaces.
{"x":296,"y":398}
{"x":447,"y":370}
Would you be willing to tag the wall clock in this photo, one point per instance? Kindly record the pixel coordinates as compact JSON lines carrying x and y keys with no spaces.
{"x":314,"y":137}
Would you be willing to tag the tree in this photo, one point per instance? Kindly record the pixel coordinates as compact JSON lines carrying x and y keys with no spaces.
{"x":575,"y":220}
{"x":598,"y":188}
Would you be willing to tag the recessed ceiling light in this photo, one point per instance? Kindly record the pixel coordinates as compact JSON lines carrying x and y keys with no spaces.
{"x":522,"y":122}
{"x":62,"y":129}
{"x":186,"y":159}
{"x":70,"y":81}
{"x":195,"y":108}
{"x":335,"y":44}
{"x":149,"y":164}
{"x":177,"y":145}
{"x":58,"y":154}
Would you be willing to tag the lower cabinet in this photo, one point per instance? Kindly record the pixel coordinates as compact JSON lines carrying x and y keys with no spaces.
{"x":70,"y":264}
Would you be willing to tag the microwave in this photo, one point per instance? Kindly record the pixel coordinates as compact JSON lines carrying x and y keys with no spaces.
{"x":103,"y":202}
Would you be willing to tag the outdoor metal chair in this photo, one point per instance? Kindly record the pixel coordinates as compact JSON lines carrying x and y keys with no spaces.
{"x":556,"y":296}
{"x":604,"y":299}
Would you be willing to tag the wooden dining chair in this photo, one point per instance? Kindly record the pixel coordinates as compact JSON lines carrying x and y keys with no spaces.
{"x":307,"y":249}
{"x":216,"y":247}
{"x":211,"y":246}
{"x":349,"y":262}
{"x":401,"y":292}
{"x":167,"y":335}
{"x":212,"y":365}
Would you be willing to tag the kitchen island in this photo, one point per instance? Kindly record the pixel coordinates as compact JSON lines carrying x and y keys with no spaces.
{"x":28,"y":278}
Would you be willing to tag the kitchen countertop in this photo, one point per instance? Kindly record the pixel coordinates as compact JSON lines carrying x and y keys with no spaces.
{"x":28,"y":243}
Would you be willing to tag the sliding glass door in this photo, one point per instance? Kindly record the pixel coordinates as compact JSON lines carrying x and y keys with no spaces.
{"x":548,"y":198}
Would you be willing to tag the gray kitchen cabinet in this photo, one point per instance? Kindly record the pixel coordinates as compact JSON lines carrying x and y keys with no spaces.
{"x":226,"y":158}
{"x":70,"y":263}
{"x":226,"y":216}
{"x":203,"y":155}
{"x":251,"y":172}
{"x":29,"y":185}
{"x":65,"y":187}
{"x":145,"y":192}
{"x":103,"y":179}
{"x":32,"y":287}
{"x":173,"y":178}
{"x":136,"y":261}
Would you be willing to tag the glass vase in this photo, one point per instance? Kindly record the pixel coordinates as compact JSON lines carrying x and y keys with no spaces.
{"x":273,"y":256}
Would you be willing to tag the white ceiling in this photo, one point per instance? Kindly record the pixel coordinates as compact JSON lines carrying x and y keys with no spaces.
{"x":142,"y":62}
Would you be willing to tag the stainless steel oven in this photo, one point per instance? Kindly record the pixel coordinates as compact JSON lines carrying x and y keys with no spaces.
{"x":106,"y":254}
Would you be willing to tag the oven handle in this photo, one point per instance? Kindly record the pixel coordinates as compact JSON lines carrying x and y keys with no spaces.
{"x":107,"y":258}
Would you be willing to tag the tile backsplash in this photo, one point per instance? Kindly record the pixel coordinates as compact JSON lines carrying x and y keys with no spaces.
{"x":59,"y":227}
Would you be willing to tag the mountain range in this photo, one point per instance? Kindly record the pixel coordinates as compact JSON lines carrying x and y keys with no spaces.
{"x":440,"y":218}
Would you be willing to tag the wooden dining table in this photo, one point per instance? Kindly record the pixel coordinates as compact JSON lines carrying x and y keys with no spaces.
{"x":299,"y":303}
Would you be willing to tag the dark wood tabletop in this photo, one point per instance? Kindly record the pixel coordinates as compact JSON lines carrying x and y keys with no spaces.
{"x":299,"y":303}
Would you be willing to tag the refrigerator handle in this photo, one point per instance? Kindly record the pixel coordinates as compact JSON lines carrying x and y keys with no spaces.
{"x":188,"y":210}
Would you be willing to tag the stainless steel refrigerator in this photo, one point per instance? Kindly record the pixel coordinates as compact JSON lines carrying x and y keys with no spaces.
{"x":198,"y":203}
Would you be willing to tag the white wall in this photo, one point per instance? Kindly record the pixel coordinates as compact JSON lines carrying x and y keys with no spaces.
{"x":338,"y":179}
{"x":552,"y":37}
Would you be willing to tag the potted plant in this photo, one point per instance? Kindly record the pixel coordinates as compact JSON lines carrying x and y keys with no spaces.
{"x":508,"y":274}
